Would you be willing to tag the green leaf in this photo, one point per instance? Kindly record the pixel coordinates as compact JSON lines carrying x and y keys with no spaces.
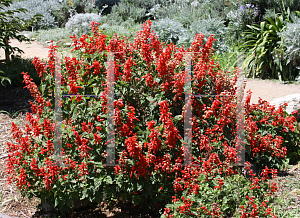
{"x":56,"y":202}
{"x":177,"y":118}
{"x":97,"y":182}
{"x":150,"y":98}
{"x":84,"y":194}
{"x":96,"y":90}
{"x":108,"y":180}
{"x":3,"y":78}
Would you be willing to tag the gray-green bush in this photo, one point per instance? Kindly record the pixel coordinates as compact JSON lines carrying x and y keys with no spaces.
{"x":207,"y":27}
{"x":186,"y":12}
{"x":138,"y":10}
{"x":80,"y":23}
{"x":70,"y":8}
{"x":291,"y":42}
{"x":168,"y":30}
{"x":127,"y":28}
{"x":37,"y":7}
{"x":53,"y":34}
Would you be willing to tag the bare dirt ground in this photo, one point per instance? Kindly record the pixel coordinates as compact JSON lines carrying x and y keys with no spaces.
{"x":269,"y":90}
{"x":13,"y":204}
{"x":31,"y":49}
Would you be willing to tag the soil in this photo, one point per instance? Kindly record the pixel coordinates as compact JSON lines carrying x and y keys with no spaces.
{"x":14,"y":102}
{"x":31,"y":49}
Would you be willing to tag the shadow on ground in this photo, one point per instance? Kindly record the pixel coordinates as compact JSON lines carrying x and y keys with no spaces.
{"x":15,"y":100}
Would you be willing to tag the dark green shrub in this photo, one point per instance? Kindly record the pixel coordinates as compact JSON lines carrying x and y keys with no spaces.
{"x":260,"y":42}
{"x":15,"y":67}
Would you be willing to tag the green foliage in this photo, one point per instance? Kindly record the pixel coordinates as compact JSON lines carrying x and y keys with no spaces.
{"x":127,"y":29}
{"x":172,"y":31}
{"x":14,"y":68}
{"x":186,"y":12}
{"x":241,"y":16}
{"x":4,"y":78}
{"x":228,"y":60}
{"x":210,"y":26}
{"x":56,"y":35}
{"x":125,"y":10}
{"x":10,"y":27}
{"x":260,"y":41}
{"x":229,"y":199}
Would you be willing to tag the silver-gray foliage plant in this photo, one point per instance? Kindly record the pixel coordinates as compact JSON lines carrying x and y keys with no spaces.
{"x":291,"y":41}
{"x":168,"y":30}
{"x":206,"y":27}
{"x":80,"y":23}
{"x":37,"y":7}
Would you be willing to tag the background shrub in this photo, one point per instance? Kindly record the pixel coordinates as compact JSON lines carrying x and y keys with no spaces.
{"x":126,"y":10}
{"x":186,"y":12}
{"x":127,"y":28}
{"x":15,"y":66}
{"x":269,"y":7}
{"x":136,"y":10}
{"x":105,"y":5}
{"x":69,"y":8}
{"x":207,"y":27}
{"x":168,"y":30}
{"x":80,"y":23}
{"x":37,"y":7}
{"x":240,"y":17}
{"x":291,"y":42}
{"x":52,"y":34}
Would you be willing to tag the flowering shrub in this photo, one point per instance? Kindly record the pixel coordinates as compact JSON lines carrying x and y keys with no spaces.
{"x":271,"y":133}
{"x":217,"y":196}
{"x":149,"y":127}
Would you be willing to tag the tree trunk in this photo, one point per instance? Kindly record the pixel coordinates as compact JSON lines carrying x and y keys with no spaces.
{"x":6,"y":50}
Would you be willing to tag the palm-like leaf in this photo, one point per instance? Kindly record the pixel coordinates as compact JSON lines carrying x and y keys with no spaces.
{"x":259,"y":42}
